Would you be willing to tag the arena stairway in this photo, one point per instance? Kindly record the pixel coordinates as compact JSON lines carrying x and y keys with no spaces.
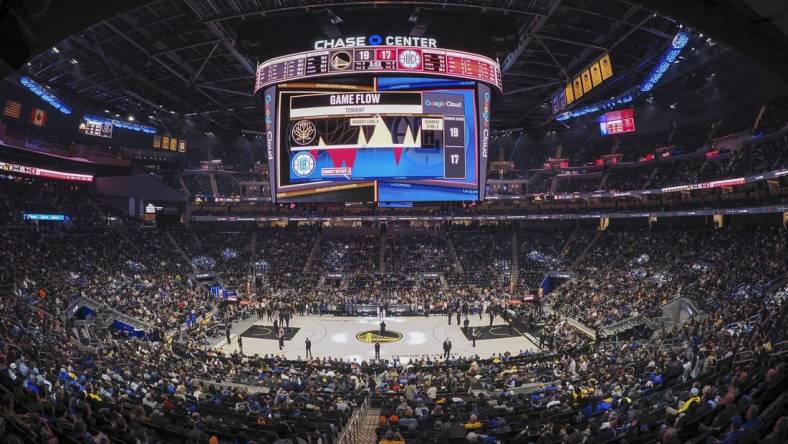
{"x":455,"y":260}
{"x":180,"y":250}
{"x":366,"y":426}
{"x":313,"y":253}
{"x":587,"y":248}
{"x":515,"y":269}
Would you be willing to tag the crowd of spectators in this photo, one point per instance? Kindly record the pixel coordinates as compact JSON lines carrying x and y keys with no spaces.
{"x":348,"y":254}
{"x":484,"y":254}
{"x":20,"y":195}
{"x":714,"y":377}
{"x":162,"y":390}
{"x":417,"y":252}
{"x":630,"y":272}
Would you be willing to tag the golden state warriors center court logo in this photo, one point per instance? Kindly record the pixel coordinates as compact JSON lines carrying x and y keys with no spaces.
{"x":374,"y":336}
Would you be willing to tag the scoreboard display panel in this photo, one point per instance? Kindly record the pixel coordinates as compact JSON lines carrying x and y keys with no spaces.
{"x":387,"y":124}
{"x":378,"y":60}
{"x":95,"y":128}
{"x":617,"y":122}
{"x":395,"y":135}
{"x":391,"y":140}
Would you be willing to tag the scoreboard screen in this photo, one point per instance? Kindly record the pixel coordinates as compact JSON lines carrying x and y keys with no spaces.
{"x":617,"y":122}
{"x":395,"y":140}
{"x":378,"y":60}
{"x":394,"y":135}
{"x":95,"y":128}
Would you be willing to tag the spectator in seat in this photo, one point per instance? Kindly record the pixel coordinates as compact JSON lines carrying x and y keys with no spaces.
{"x":684,"y":406}
{"x":779,"y":433}
{"x":455,"y":429}
{"x":409,"y":422}
{"x":473,"y":423}
{"x":734,"y":433}
{"x":392,"y":437}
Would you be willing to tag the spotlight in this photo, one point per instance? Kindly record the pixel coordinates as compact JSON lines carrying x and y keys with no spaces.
{"x":131,"y":118}
{"x":333,"y":18}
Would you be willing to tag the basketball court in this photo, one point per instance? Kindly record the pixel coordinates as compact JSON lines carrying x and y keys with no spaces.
{"x":353,"y":338}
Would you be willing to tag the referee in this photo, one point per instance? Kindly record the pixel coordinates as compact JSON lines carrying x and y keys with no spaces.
{"x":308,"y":345}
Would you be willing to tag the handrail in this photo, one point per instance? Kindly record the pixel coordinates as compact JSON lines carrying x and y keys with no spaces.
{"x":582,"y":328}
{"x":126,"y":319}
{"x":350,"y":432}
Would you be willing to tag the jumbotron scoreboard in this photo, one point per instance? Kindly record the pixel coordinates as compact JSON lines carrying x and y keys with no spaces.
{"x":360,"y":120}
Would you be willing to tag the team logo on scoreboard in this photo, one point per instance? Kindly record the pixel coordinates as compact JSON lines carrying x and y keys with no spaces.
{"x":341,"y":60}
{"x":409,"y":59}
{"x":303,"y":132}
{"x":374,"y":336}
{"x":303,"y":164}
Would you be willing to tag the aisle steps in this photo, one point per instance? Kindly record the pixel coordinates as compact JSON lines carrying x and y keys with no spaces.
{"x":367,"y":425}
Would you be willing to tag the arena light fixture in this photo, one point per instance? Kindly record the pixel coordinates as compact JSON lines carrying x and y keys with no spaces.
{"x":45,"y":95}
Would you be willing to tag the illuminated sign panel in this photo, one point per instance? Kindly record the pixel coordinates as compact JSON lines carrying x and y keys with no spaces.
{"x":376,"y":40}
{"x":617,"y":122}
{"x":53,"y":217}
{"x":378,"y":60}
{"x":42,"y":172}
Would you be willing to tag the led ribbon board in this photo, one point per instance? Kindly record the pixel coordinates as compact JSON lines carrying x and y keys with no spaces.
{"x":52,"y":217}
{"x":413,"y":60}
{"x":42,"y":172}
{"x":670,"y":55}
{"x":121,"y":124}
{"x":44,"y":94}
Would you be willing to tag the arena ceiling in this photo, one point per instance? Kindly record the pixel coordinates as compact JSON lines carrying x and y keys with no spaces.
{"x":187,"y":65}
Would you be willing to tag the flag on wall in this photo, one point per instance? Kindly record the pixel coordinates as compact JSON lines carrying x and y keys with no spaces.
{"x":38,"y":117}
{"x":13,"y":109}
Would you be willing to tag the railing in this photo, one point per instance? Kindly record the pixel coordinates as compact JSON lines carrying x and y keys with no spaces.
{"x":350,"y":433}
{"x":579,"y":326}
{"x":670,"y":344}
{"x":744,"y":357}
{"x":655,"y":323}
{"x":126,"y":319}
{"x":780,"y":350}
